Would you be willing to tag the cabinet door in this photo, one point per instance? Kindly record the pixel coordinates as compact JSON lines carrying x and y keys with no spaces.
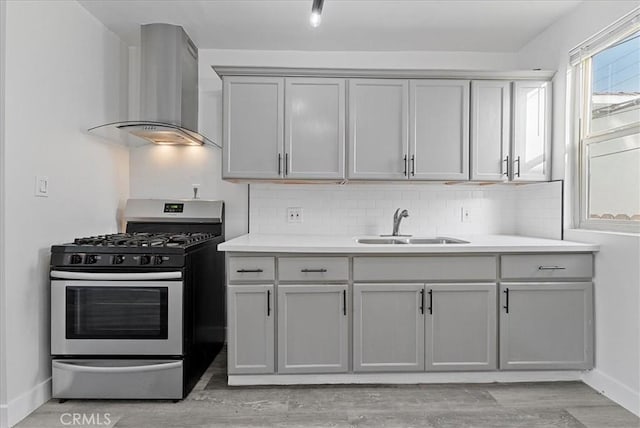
{"x":490,"y":129}
{"x":388,"y":327}
{"x":253,"y":124}
{"x":439,"y":129}
{"x":546,"y":326}
{"x":250,"y":322}
{"x":314,"y":128}
{"x":312,"y":328}
{"x":378,"y":125}
{"x":460,"y":327}
{"x":532,"y":131}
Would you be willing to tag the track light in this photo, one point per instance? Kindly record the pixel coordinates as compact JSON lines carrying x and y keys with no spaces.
{"x":316,"y":12}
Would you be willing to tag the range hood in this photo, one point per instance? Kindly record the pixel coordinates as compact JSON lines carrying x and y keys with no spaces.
{"x":168,"y":90}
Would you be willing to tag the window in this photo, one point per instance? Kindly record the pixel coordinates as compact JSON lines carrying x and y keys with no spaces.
{"x":607,"y":68}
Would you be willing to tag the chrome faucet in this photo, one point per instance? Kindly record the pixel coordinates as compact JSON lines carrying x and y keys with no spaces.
{"x":397,"y":218}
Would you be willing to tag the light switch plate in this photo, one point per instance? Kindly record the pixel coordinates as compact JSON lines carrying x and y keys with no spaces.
{"x":42,"y":186}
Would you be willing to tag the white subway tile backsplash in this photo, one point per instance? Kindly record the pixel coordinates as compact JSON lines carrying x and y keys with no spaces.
{"x":434,"y":209}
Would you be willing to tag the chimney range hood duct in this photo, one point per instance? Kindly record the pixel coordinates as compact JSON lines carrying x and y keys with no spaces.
{"x":168,"y":89}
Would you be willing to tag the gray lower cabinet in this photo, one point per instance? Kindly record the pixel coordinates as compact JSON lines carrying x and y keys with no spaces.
{"x":460,"y":327}
{"x":388,"y":327}
{"x":546,"y":325}
{"x":313,"y":328}
{"x":250,"y":324}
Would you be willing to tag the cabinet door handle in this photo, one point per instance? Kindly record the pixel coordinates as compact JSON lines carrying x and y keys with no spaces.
{"x":279,"y":164}
{"x":431,"y":302}
{"x":517,"y":161}
{"x":286,"y":164}
{"x":268,"y":303}
{"x":413,"y":165}
{"x":404,"y":160}
{"x":323,"y":270}
{"x":506,"y":306}
{"x":422,"y":301}
{"x":249,"y":271}
{"x":344,"y":302}
{"x":506,"y":166}
{"x":551,"y":268}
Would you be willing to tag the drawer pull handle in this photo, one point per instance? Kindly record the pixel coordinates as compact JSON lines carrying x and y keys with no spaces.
{"x":506,"y":164}
{"x":551,"y":268}
{"x":506,"y":306}
{"x":249,"y":271}
{"x":404,"y":160}
{"x":323,"y":270}
{"x":431,"y":302}
{"x":422,"y":301}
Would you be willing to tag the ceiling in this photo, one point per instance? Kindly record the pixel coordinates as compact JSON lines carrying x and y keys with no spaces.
{"x":364,"y":25}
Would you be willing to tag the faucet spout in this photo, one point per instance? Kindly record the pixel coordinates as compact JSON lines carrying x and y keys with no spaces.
{"x":397,"y":218}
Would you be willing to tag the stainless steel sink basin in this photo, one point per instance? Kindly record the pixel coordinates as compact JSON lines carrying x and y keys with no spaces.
{"x":438,"y":240}
{"x":386,"y":241}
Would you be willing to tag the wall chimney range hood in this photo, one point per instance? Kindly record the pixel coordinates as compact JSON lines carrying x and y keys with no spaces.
{"x":169,"y":92}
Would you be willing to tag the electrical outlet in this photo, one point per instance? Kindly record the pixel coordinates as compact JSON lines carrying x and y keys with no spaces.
{"x":42,"y":186}
{"x":465,"y":215}
{"x":294,"y":215}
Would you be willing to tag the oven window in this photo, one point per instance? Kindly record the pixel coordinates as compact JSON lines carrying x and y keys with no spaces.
{"x":116,"y":312}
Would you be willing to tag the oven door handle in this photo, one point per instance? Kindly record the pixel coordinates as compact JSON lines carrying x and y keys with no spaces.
{"x":126,"y":369}
{"x":101,"y":276}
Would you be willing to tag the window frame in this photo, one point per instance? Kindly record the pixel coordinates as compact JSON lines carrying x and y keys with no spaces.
{"x":581,"y":71}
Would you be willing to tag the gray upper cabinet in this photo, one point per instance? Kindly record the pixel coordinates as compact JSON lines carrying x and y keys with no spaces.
{"x":378,"y":125}
{"x":388,"y":327}
{"x":490,"y":129}
{"x":460,"y":327}
{"x":439,"y":129}
{"x":314,"y":128}
{"x":253,"y":125}
{"x":532,"y":131}
{"x":313,"y":328}
{"x":250,"y":323}
{"x":546,"y":325}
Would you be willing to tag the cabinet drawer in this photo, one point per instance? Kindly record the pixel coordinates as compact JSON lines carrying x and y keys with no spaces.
{"x":424,"y":268}
{"x":313,"y":268}
{"x":251,"y":268}
{"x":551,"y":266}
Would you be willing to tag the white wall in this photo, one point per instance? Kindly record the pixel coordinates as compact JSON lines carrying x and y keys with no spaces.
{"x":434,"y":209}
{"x":3,"y":301}
{"x":169,"y":172}
{"x":617,"y":284}
{"x":65,"y":72}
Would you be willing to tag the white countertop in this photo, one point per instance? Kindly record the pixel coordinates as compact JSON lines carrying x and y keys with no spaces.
{"x":266,"y":243}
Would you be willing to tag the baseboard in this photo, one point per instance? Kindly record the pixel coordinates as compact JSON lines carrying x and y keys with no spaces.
{"x":4,"y":416}
{"x":614,"y":390}
{"x":19,"y":408}
{"x":404,"y":378}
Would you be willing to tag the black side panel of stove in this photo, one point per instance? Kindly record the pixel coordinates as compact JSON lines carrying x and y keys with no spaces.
{"x":165,"y":227}
{"x":204,"y":312}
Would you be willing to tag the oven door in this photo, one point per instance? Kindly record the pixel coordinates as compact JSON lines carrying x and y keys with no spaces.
{"x":116,"y":314}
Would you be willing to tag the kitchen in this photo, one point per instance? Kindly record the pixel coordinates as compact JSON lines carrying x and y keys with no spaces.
{"x":68,"y":66}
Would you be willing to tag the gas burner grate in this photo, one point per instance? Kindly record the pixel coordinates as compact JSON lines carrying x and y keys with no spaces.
{"x":144,"y":239}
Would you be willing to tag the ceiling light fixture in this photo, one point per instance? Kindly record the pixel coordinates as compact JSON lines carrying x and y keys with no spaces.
{"x":316,"y":11}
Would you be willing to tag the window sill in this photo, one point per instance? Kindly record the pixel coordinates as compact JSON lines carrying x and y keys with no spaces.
{"x":604,"y":232}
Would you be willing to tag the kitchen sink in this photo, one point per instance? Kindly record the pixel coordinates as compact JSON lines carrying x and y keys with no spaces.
{"x":385,"y":241}
{"x":438,"y":240}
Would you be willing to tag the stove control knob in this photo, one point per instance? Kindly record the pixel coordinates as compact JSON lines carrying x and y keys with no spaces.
{"x":145,"y":260}
{"x":75,"y":259}
{"x":157,"y":260}
{"x":91,"y":259}
{"x":118,"y":260}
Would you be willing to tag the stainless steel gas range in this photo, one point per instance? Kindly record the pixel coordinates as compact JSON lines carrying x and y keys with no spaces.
{"x":141,"y":314}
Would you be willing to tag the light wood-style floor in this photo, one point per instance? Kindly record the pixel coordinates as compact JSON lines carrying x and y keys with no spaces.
{"x":213,"y":404}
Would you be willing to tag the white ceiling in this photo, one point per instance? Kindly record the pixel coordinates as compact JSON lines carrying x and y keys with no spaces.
{"x":365,"y":25}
